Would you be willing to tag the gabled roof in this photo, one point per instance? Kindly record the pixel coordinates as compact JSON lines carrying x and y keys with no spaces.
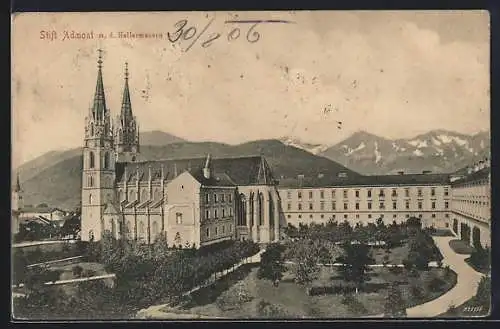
{"x":372,"y":180}
{"x":111,"y":209}
{"x":249,"y":170}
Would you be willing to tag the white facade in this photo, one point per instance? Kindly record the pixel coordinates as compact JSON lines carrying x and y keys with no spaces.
{"x":366,"y":204}
{"x":471,"y":207}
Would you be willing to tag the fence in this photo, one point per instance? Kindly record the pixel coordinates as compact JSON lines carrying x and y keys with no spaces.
{"x":50,"y":262}
{"x":59,"y":282}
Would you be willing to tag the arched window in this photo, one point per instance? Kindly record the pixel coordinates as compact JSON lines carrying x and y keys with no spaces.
{"x":133,"y":158}
{"x":131,"y":195}
{"x":144,"y":195}
{"x":91,"y":181}
{"x":157,"y":194}
{"x":113,"y":228}
{"x":141,"y":229}
{"x":129,"y":229}
{"x":91,"y":129}
{"x":121,"y":195}
{"x":106,"y":160}
{"x":90,"y":198}
{"x":91,"y":159}
{"x":155,"y":229}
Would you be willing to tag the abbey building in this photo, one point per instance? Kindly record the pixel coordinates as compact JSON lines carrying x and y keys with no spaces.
{"x":194,"y":202}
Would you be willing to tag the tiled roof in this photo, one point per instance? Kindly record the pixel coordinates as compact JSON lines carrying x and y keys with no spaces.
{"x":478,"y":175}
{"x":251,"y":170}
{"x":372,"y":180}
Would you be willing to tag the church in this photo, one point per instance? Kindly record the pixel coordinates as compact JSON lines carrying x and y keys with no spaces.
{"x":193,"y":202}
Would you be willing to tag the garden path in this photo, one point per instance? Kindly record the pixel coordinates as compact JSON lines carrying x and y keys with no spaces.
{"x":467,"y":283}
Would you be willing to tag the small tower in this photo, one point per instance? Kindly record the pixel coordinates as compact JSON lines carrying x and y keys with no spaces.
{"x":17,"y":196}
{"x":126,"y":130}
{"x":16,"y":205}
{"x":98,"y":175}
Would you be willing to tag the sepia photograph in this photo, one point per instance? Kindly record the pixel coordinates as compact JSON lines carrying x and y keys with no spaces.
{"x":250,"y":165}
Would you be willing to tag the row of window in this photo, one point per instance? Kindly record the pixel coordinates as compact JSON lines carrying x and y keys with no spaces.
{"x":474,"y":184}
{"x":216,"y":230}
{"x":215,"y":213}
{"x":357,"y":216}
{"x":369,"y":205}
{"x":479,"y":203}
{"x":218,"y":197}
{"x":381,"y":193}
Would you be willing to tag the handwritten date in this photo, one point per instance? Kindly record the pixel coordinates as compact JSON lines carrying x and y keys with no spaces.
{"x":186,"y":32}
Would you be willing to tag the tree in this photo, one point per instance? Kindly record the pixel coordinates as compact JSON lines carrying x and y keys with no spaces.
{"x":271,"y":263}
{"x":483,"y":294}
{"x":394,"y":305}
{"x":71,"y":226}
{"x":356,"y":259}
{"x":306,"y":254}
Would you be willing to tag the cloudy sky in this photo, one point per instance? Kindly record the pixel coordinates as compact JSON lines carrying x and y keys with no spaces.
{"x":394,"y":74}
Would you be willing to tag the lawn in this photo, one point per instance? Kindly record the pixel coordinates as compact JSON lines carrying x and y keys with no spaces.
{"x":486,"y":269}
{"x":461,"y":247}
{"x":243,"y":295}
{"x":396,"y":254}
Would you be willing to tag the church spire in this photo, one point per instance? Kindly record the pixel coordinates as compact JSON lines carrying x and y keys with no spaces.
{"x":126,"y":128}
{"x":99,"y":106}
{"x":126,"y":111}
{"x":18,"y":185}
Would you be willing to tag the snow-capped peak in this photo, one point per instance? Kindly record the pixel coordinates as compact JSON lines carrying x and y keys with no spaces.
{"x":309,"y":147}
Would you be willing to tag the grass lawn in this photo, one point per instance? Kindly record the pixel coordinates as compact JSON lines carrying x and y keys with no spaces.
{"x":396,"y":254}
{"x":242,"y":295}
{"x":461,"y":247}
{"x":483,"y":270}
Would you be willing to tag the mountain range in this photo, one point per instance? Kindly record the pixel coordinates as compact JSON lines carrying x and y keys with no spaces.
{"x":55,"y":177}
{"x":437,"y":150}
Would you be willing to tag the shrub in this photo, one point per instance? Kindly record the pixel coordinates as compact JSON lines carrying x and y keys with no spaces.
{"x":483,"y":294}
{"x":436,"y":284}
{"x":77,"y":271}
{"x":331,"y":290}
{"x":417,"y":291}
{"x":396,"y":270}
{"x":354,"y":305}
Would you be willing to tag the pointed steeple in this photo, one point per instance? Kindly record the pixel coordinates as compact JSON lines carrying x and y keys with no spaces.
{"x":264,"y":175}
{"x":99,"y":106}
{"x":126,"y":128}
{"x":18,"y":185}
{"x":126,"y":110}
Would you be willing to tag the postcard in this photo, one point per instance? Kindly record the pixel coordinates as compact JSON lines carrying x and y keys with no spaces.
{"x":280,"y":165}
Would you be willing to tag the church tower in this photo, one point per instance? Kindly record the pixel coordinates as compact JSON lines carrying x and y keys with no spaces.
{"x":98,"y":175}
{"x":17,"y":196}
{"x":126,"y":132}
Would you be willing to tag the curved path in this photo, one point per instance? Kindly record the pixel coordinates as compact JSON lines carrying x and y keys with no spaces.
{"x":467,"y":282}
